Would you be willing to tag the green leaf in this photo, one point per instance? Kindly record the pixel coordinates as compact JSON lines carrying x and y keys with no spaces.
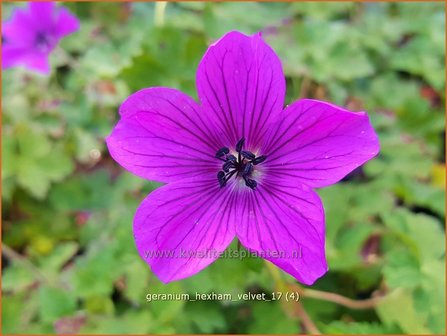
{"x":8,"y":156}
{"x":136,"y":275}
{"x":165,"y":311}
{"x":270,"y":319}
{"x":12,"y":314}
{"x":55,"y":303}
{"x":421,"y":233}
{"x":424,"y":195}
{"x":17,"y":278}
{"x":206,"y":316}
{"x":99,"y":305}
{"x":358,"y":328}
{"x":130,"y":322}
{"x":32,"y":144}
{"x":32,"y":177}
{"x":226,"y":16}
{"x":57,"y":166}
{"x":94,"y":274}
{"x":63,"y":252}
{"x":397,"y":309}
{"x":402,"y":270}
{"x":420,"y":57}
{"x":322,"y":11}
{"x":348,"y":245}
{"x":84,"y":192}
{"x":433,"y":292}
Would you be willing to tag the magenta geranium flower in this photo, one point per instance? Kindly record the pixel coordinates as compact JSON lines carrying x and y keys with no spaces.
{"x":236,"y":165}
{"x":32,"y":33}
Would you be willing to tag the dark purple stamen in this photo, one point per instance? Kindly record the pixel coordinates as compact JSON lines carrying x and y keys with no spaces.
{"x":240,"y":144}
{"x":43,"y":42}
{"x":221,"y":178}
{"x":259,"y":160}
{"x":221,"y":152}
{"x":232,"y":158}
{"x":250,"y":183}
{"x":248,"y":155}
{"x":247,"y":169}
{"x":227,"y":165}
{"x":241,"y":166}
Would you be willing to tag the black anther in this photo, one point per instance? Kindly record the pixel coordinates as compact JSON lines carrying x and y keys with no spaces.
{"x":221,"y":178}
{"x":231,"y":158}
{"x":247,"y":169}
{"x":259,"y":159}
{"x":227,"y":165}
{"x":240,"y":144}
{"x":250,"y":183}
{"x":221,"y":152}
{"x":248,"y":155}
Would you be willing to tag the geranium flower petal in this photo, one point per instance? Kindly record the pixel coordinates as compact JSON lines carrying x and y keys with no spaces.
{"x":66,"y":22}
{"x":163,"y":136}
{"x":318,"y":143}
{"x":39,"y":63}
{"x":182,"y":227}
{"x":42,"y":12}
{"x":60,"y":21}
{"x":19,"y":30}
{"x":12,"y":56}
{"x":284,"y":224}
{"x":240,"y":80}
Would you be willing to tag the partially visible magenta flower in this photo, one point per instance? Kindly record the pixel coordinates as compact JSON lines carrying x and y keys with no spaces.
{"x":238,"y":164}
{"x":32,"y":33}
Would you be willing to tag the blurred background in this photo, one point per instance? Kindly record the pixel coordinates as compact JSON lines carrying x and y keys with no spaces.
{"x":69,"y":264}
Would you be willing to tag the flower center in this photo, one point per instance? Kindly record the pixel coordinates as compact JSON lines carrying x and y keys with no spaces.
{"x":43,"y":42}
{"x":240,"y":166}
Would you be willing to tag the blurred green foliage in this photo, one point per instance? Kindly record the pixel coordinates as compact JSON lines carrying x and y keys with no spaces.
{"x":70,"y":264}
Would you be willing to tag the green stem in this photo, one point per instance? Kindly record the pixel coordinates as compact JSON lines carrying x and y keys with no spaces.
{"x":341,"y":300}
{"x":293,"y":308}
{"x":305,"y":319}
